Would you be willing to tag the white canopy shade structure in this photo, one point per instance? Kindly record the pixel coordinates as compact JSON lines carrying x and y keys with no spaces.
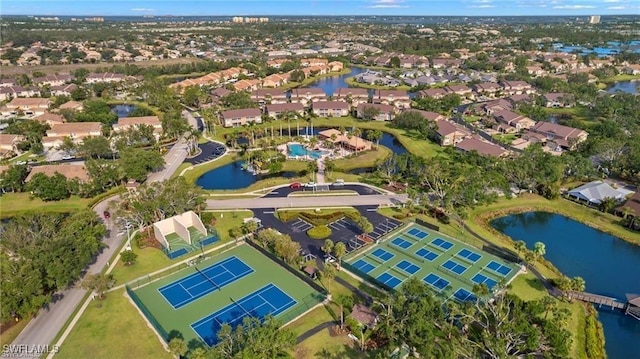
{"x":595,"y":192}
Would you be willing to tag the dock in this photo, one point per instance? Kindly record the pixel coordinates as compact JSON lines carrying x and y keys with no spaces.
{"x":631,"y":307}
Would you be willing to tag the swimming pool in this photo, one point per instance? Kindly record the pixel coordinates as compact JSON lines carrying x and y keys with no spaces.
{"x":297,"y":149}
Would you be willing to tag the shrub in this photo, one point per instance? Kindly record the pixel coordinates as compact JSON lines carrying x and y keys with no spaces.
{"x":319,"y":232}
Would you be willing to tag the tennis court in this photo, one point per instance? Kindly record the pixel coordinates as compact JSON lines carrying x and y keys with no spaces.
{"x":448,"y":266}
{"x":225,"y":288}
{"x":267,"y":300}
{"x":204,"y":281}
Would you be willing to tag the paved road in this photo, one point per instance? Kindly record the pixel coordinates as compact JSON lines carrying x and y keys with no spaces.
{"x":172,"y":161}
{"x":312,"y":201}
{"x":208,"y":151}
{"x":43,"y":329}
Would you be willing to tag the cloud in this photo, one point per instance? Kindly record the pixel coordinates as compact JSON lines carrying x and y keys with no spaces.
{"x":387,"y":4}
{"x":573,"y":7}
{"x":485,"y":6}
{"x":616,"y":7}
{"x":612,"y":1}
{"x":142,"y":9}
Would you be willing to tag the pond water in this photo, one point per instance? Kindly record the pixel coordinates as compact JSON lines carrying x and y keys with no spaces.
{"x":625,"y":86}
{"x":608,"y":265}
{"x":233,"y":176}
{"x":122,"y":110}
{"x":332,"y":83}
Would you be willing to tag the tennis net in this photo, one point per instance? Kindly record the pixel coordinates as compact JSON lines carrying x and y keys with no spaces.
{"x":241,"y":307}
{"x":207,"y":277}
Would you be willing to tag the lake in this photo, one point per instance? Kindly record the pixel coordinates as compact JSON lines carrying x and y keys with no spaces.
{"x":122,"y":110}
{"x":332,"y":83}
{"x":233,"y":176}
{"x":625,"y":86}
{"x":608,"y":265}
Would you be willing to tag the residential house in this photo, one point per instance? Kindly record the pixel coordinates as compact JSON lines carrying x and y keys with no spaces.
{"x":450,"y":133}
{"x":71,"y":172}
{"x":437,"y":93}
{"x":593,"y":193}
{"x":28,"y":106}
{"x":463,"y":91}
{"x":352,"y":95}
{"x":335,"y":66}
{"x":565,"y":136}
{"x":219,"y":93}
{"x":247,"y":85}
{"x":9,"y":144}
{"x":239,"y":117}
{"x":125,"y":123}
{"x":397,"y":98}
{"x":52,"y":80}
{"x":276,"y":80}
{"x":482,"y":147}
{"x":631,"y":206}
{"x":442,"y":63}
{"x":633,"y":69}
{"x":313,"y":62}
{"x":274,"y":110}
{"x":517,"y":87}
{"x":7,"y":82}
{"x":306,"y":96}
{"x":557,"y":99}
{"x":431,"y":116}
{"x":72,"y":105}
{"x":76,"y":131}
{"x":10,"y":92}
{"x":364,"y":315}
{"x":496,"y":105}
{"x":110,"y":77}
{"x":269,"y":96}
{"x":330,"y":108}
{"x":513,"y":119}
{"x":489,"y":89}
{"x":514,"y":100}
{"x":385,"y":112}
{"x":63,"y":90}
{"x":50,"y":118}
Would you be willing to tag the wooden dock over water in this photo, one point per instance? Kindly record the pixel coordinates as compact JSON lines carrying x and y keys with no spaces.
{"x":600,"y":300}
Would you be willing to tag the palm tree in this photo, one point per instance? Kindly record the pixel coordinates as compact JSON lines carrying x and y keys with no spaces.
{"x":539,"y":250}
{"x":343,"y":301}
{"x":313,"y":141}
{"x":329,"y":166}
{"x":520,"y":247}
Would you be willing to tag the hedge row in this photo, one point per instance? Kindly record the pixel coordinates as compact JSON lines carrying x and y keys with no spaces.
{"x":594,"y":343}
{"x":316,"y":219}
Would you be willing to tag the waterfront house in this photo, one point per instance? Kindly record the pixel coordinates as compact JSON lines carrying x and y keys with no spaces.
{"x":331,"y":108}
{"x":385,"y":112}
{"x":239,"y":117}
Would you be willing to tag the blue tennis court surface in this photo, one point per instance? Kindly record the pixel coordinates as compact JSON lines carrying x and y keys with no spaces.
{"x":382,"y":254}
{"x":499,"y":268}
{"x":389,"y":280}
{"x":363,"y":266}
{"x":454,"y":267}
{"x":481,"y":278}
{"x":266,"y":300}
{"x":464,"y":295}
{"x":427,"y":254}
{"x":401,"y":243}
{"x":439,"y":242}
{"x":472,"y":256}
{"x":194,"y":286}
{"x":417,"y":233}
{"x":436,"y":281}
{"x":408,"y":267}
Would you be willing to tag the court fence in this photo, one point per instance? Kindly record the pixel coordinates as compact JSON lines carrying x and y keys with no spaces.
{"x":304,"y":304}
{"x":146,"y":313}
{"x":288,"y":267}
{"x":427,"y":224}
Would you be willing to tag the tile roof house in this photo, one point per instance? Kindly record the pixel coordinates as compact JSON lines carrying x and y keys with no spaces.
{"x":125,"y":123}
{"x":397,"y":98}
{"x":434,"y":93}
{"x":331,"y":108}
{"x":449,"y":133}
{"x":9,"y":143}
{"x":269,"y":96}
{"x":632,"y":205}
{"x":431,"y":116}
{"x":50,"y":118}
{"x":483,"y":148}
{"x":63,"y":90}
{"x":274,"y":110}
{"x":247,"y":85}
{"x":487,"y":88}
{"x":29,"y":106}
{"x":72,"y":105}
{"x":306,"y":96}
{"x":565,"y":136}
{"x":517,"y":87}
{"x":52,"y":80}
{"x":364,"y":315}
{"x":352,"y":95}
{"x":93,"y":78}
{"x":9,"y":92}
{"x":239,"y":117}
{"x":513,"y":119}
{"x":385,"y":112}
{"x":75,"y":130}
{"x":557,"y":99}
{"x":77,"y":172}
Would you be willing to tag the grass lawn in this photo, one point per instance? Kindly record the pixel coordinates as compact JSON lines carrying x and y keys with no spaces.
{"x":528,"y":287}
{"x":353,"y":83}
{"x":149,"y":260}
{"x":505,"y":139}
{"x":323,"y":345}
{"x":14,"y":204}
{"x":471,"y":119}
{"x":621,"y":77}
{"x":225,"y":220}
{"x":112,"y":328}
{"x":366,"y":159}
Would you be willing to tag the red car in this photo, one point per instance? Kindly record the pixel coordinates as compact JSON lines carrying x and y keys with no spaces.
{"x":295,"y":185}
{"x":106,"y":214}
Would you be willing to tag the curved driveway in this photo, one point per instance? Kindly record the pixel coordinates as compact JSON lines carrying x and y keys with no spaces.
{"x":308,"y":202}
{"x":357,"y":188}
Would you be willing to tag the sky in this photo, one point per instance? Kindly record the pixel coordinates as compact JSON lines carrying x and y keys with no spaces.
{"x":319,"y":7}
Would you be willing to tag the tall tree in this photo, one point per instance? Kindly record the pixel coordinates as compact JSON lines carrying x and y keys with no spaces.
{"x":254,"y":338}
{"x":98,"y":283}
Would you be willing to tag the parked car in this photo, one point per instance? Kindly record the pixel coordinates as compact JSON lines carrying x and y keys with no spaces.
{"x":310,"y":184}
{"x":295,"y":185}
{"x":106,"y":214}
{"x":68,"y":157}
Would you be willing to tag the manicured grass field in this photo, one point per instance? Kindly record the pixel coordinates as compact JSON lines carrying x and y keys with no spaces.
{"x":225,"y":220}
{"x":14,"y":204}
{"x":448,"y":266}
{"x":112,"y":328}
{"x":367,"y":159}
{"x":264,"y":272}
{"x":149,"y":260}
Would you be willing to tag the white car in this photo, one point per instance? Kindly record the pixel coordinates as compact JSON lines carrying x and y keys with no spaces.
{"x":68,"y":157}
{"x":310,"y":184}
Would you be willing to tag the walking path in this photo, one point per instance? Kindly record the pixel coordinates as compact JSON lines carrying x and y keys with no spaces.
{"x":313,"y":331}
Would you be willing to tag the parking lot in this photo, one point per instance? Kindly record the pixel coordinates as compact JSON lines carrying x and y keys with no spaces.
{"x":208,"y":151}
{"x":300,"y":226}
